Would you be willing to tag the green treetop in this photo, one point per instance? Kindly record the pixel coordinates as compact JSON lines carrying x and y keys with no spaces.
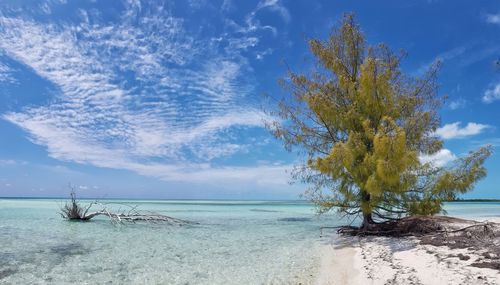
{"x":363,"y":124}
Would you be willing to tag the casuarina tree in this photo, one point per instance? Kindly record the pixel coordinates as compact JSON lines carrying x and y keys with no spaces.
{"x":363,"y":126}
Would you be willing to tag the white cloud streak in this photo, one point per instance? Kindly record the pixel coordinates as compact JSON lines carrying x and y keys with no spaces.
{"x":11,"y":162}
{"x":457,"y":104}
{"x":442,"y":57}
{"x":275,"y":5}
{"x":453,"y":130}
{"x":492,"y":94}
{"x":462,"y":56}
{"x":6,"y":74}
{"x":141,"y":95}
{"x":252,"y":24}
{"x":493,"y":18}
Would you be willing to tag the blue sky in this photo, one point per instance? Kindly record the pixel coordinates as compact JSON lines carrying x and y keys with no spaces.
{"x":162,"y":99}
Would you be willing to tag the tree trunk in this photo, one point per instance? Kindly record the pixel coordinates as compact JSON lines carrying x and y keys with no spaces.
{"x":367,"y":214}
{"x":367,"y":221}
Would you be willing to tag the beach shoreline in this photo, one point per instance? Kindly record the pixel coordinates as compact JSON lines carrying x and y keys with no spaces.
{"x":390,"y":260}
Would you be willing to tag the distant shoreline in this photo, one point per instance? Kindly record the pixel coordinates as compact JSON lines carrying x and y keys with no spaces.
{"x":215,"y":200}
{"x":473,"y":200}
{"x":160,"y":199}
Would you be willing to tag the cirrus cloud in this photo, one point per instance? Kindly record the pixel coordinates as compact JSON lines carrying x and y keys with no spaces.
{"x":142,"y":93}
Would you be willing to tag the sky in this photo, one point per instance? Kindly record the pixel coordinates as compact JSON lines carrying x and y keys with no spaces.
{"x":163,"y":99}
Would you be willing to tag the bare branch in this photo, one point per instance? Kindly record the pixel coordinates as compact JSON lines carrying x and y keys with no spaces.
{"x":72,"y":210}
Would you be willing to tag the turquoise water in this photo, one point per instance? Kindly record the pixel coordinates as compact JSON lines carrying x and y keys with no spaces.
{"x":236,"y":242}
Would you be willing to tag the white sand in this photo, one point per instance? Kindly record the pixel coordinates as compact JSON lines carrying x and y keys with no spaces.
{"x":380,"y":260}
{"x":339,"y":264}
{"x":488,"y":219}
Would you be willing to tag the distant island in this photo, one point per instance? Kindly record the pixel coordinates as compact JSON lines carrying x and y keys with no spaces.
{"x":474,"y":200}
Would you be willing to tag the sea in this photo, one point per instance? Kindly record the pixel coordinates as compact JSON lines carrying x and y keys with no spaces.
{"x":231,"y":242}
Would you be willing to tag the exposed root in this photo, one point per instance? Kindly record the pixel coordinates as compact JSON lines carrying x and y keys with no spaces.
{"x":74,"y":211}
{"x":481,"y":237}
{"x":415,"y":225}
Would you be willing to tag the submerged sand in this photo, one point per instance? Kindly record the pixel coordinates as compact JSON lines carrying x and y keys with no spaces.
{"x":388,"y":260}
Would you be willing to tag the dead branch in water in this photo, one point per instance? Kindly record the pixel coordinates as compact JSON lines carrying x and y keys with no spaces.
{"x":74,"y":211}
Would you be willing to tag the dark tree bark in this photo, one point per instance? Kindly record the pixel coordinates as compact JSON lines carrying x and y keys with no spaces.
{"x":368,"y":221}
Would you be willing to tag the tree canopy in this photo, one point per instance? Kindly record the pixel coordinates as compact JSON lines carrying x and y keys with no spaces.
{"x":362,"y":124}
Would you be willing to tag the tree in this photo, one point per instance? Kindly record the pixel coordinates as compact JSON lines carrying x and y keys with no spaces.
{"x":362,"y":125}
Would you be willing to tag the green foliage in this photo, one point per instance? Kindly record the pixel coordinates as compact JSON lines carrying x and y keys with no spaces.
{"x":362,"y":124}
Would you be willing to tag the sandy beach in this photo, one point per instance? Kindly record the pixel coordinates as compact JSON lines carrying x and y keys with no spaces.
{"x":383,"y":260}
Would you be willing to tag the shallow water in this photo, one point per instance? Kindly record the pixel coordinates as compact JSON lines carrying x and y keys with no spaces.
{"x":236,"y":242}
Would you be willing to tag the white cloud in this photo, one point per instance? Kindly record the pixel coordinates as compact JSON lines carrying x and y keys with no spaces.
{"x":6,"y":74}
{"x":493,"y":18}
{"x":185,"y":100}
{"x":275,"y":5}
{"x":439,"y":159}
{"x":252,"y":23}
{"x":197,"y":4}
{"x":260,"y":55}
{"x":458,"y":104}
{"x":261,"y":175}
{"x":58,"y":169}
{"x":462,"y":56}
{"x":11,"y":162}
{"x":227,"y":5}
{"x":8,"y":162}
{"x":442,"y":57}
{"x":242,"y":43}
{"x":492,"y":94}
{"x":452,"y":131}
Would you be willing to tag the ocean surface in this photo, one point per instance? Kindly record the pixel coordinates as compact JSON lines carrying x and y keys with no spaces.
{"x":235,"y":242}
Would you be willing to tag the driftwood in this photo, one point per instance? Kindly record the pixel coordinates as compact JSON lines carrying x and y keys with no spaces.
{"x":74,"y":211}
